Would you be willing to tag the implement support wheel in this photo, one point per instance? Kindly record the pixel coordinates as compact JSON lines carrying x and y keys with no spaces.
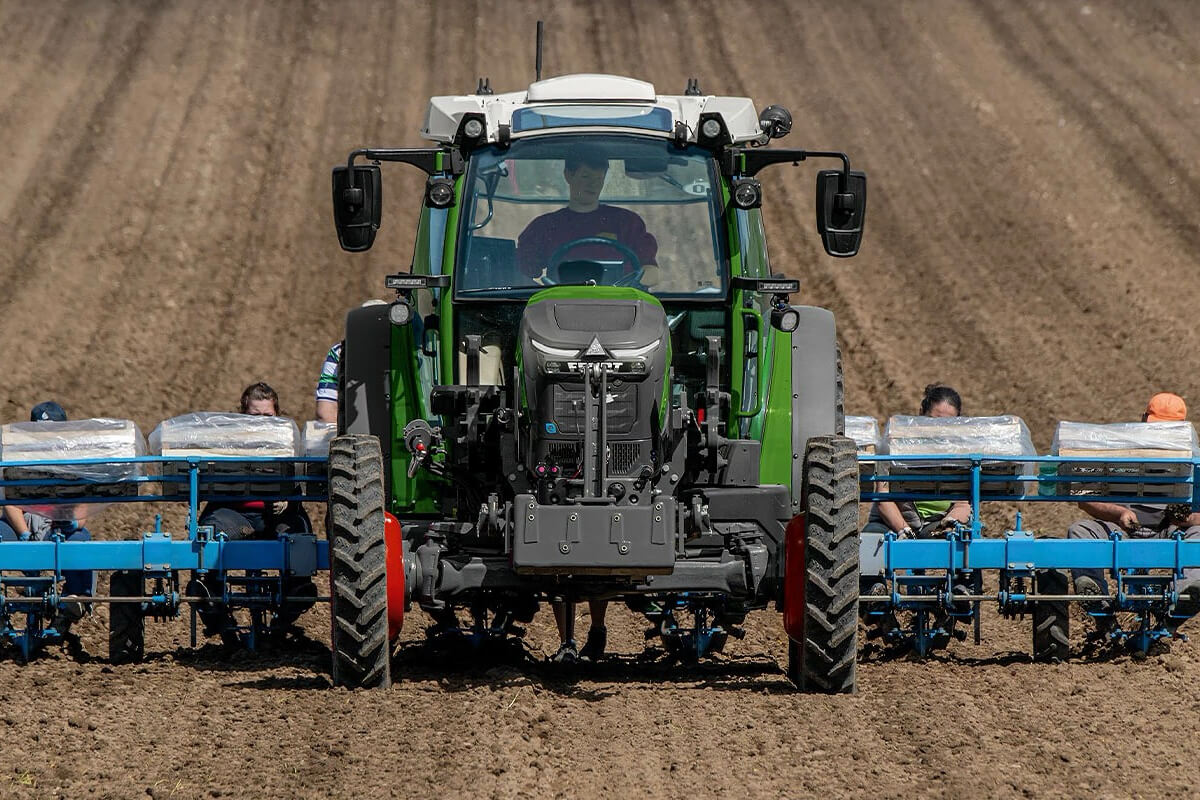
{"x":825,"y":660}
{"x":1051,"y":618}
{"x":358,"y":563}
{"x":126,"y":621}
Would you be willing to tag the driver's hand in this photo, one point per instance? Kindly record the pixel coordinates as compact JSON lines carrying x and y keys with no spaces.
{"x":278,"y":507}
{"x":651,"y":275}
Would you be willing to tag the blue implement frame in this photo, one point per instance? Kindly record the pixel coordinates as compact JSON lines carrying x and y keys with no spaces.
{"x":939,"y":579}
{"x":31,"y":572}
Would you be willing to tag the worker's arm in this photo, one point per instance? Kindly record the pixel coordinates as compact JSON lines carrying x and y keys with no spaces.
{"x":959,"y":512}
{"x":1111,"y":512}
{"x":892,"y":516}
{"x":327,"y":411}
{"x":14,"y":517}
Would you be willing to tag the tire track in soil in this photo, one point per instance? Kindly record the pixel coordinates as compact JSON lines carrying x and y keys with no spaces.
{"x":33,"y":31}
{"x":140,"y":292}
{"x":48,"y":196}
{"x":143,"y":288}
{"x":1162,"y":249}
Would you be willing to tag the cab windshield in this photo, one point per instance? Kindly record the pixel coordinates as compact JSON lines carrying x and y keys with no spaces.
{"x":609,"y":210}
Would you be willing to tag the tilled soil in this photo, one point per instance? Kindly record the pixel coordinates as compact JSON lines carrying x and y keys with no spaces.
{"x":1032,"y":239}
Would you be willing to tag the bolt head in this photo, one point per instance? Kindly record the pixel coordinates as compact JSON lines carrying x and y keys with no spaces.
{"x":564,"y":548}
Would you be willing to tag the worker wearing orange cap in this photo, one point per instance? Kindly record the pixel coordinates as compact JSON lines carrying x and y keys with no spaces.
{"x":1142,"y":521}
{"x":1165,"y":407}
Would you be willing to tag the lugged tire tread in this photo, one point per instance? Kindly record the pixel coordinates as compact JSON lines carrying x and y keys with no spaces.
{"x":1052,"y":619}
{"x":358,"y":563}
{"x":826,"y":660}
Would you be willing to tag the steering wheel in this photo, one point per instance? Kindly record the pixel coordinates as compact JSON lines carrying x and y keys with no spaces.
{"x":632,"y":279}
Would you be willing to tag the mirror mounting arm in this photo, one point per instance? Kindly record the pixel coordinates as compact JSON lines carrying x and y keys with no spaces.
{"x":423,"y":158}
{"x":747,"y":163}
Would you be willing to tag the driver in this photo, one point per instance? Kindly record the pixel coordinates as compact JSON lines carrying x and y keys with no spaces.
{"x":583,"y":218}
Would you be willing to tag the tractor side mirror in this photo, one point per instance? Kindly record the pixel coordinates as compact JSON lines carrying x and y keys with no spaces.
{"x":841,"y":208}
{"x":357,"y":205}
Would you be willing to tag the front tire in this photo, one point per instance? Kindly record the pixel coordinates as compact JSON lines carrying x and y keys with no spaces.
{"x":825,"y":660}
{"x":358,"y":563}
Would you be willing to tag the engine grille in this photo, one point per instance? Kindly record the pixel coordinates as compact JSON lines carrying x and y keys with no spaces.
{"x":625,"y":458}
{"x":622,"y":403}
{"x":564,"y":453}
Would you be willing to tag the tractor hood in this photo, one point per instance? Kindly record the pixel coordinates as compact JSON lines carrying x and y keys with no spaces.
{"x":567,"y":326}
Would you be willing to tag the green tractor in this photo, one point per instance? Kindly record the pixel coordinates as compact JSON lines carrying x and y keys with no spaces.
{"x":591,"y":385}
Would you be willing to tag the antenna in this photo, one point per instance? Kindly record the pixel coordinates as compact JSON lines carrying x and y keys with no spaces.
{"x":538,"y":63}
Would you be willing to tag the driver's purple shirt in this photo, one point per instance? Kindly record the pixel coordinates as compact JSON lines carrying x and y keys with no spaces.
{"x":551,"y":231}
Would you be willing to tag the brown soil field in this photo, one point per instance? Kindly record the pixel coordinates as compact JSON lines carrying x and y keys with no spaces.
{"x":1032,"y":238}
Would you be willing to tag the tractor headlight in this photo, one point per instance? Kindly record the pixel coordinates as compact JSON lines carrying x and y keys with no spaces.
{"x":473,"y":128}
{"x":747,"y":193}
{"x":712,"y":131}
{"x":785,"y":319}
{"x":439,"y":192}
{"x":400,"y":313}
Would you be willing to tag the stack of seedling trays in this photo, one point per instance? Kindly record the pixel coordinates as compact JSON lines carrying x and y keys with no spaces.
{"x":1118,"y":442}
{"x":957,"y":436}
{"x":207,"y":435}
{"x":66,"y":442}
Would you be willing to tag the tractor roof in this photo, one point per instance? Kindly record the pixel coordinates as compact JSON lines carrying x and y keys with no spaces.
{"x":605,"y":102}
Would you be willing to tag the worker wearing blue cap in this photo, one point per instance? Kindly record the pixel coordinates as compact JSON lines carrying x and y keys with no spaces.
{"x":24,"y":526}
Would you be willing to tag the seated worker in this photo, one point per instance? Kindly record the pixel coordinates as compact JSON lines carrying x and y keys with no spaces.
{"x":327,"y":381}
{"x":923,"y":518}
{"x":253,"y":519}
{"x":1140,"y":521}
{"x":25,"y":526}
{"x":327,"y":385}
{"x":586,"y":217}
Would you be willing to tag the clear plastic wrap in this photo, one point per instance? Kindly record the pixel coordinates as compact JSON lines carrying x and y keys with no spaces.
{"x":221,"y":434}
{"x":865,"y":432}
{"x":1006,"y":435}
{"x":317,"y":436}
{"x":1130,"y":440}
{"x":994,"y":436}
{"x":52,"y":441}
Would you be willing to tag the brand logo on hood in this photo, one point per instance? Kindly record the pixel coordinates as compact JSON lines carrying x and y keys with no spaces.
{"x":595,"y":349}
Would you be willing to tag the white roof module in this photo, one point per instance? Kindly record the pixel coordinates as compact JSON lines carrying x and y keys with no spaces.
{"x":590,"y":101}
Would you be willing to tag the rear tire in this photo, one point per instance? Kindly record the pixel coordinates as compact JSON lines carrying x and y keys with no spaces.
{"x":839,"y":410}
{"x":825,"y":660}
{"x":126,"y":622}
{"x":1052,"y":619}
{"x":358,"y":563}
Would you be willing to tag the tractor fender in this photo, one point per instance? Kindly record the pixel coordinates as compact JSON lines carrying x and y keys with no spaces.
{"x":814,"y":386}
{"x":364,"y":379}
{"x":397,"y":597}
{"x":794,"y":576}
